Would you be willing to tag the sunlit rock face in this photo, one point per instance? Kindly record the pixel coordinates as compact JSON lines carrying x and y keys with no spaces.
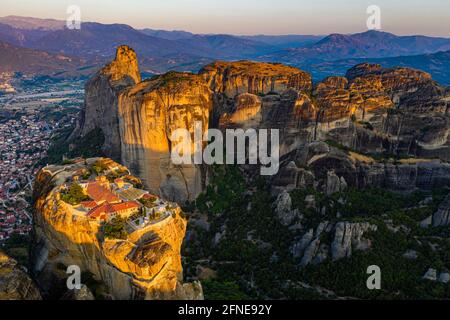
{"x":377,"y":110}
{"x":247,"y":113}
{"x":143,"y":115}
{"x":234,"y":78}
{"x":149,"y":113}
{"x":146,"y":264}
{"x":262,"y":95}
{"x":15,"y":284}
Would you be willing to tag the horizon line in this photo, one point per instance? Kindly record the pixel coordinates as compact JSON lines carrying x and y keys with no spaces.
{"x":230,"y":34}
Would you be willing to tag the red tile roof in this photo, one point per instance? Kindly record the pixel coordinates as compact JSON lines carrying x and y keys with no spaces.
{"x":149,"y":196}
{"x":99,"y":193}
{"x":89,"y":204}
{"x":101,"y":211}
{"x":126,"y":205}
{"x":105,"y":209}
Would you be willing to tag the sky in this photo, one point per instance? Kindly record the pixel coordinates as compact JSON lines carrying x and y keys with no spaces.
{"x":402,"y":17}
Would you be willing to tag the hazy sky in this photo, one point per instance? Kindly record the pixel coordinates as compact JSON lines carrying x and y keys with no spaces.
{"x":430,"y":17}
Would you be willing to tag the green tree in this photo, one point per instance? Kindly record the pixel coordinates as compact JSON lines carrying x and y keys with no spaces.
{"x":115,"y":229}
{"x":74,"y":195}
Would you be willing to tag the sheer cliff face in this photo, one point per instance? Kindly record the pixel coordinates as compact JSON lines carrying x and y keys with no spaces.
{"x":101,"y":99}
{"x":146,"y":264}
{"x":15,"y":284}
{"x":371,"y":110}
{"x":148,"y":114}
{"x":137,"y":119}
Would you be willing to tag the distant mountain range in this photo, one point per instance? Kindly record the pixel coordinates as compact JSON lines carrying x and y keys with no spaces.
{"x":30,"y":23}
{"x":280,"y":42}
{"x":369,"y":44}
{"x":286,"y":41}
{"x":30,"y":61}
{"x":169,"y":35}
{"x":162,"y":50}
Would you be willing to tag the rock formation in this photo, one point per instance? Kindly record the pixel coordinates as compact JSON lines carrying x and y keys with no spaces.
{"x":149,"y":112}
{"x":101,"y":99}
{"x":15,"y":284}
{"x":441,"y":217}
{"x":330,"y":169}
{"x":398,"y":112}
{"x":346,"y":238}
{"x":234,"y":78}
{"x":145,"y":264}
{"x":137,"y":119}
{"x":79,"y":294}
{"x":283,"y":208}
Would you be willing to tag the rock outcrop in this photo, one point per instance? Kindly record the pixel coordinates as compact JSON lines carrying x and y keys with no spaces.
{"x":148,"y":114}
{"x":441,"y":217}
{"x":137,"y":119}
{"x":101,"y":99}
{"x":15,"y":284}
{"x":79,"y":294}
{"x":143,"y":264}
{"x":430,"y":275}
{"x":310,"y":248}
{"x":444,"y":277}
{"x":235,"y":78}
{"x":347,"y":237}
{"x":283,"y":209}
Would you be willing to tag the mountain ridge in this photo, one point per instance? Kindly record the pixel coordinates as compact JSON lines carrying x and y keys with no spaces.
{"x":161,"y":51}
{"x":369,"y":44}
{"x":26,"y":60}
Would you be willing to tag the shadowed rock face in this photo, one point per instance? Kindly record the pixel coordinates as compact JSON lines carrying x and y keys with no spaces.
{"x":323,"y":167}
{"x":101,"y":99}
{"x":15,"y":284}
{"x":146,"y":264}
{"x":441,"y":217}
{"x":372,"y":110}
